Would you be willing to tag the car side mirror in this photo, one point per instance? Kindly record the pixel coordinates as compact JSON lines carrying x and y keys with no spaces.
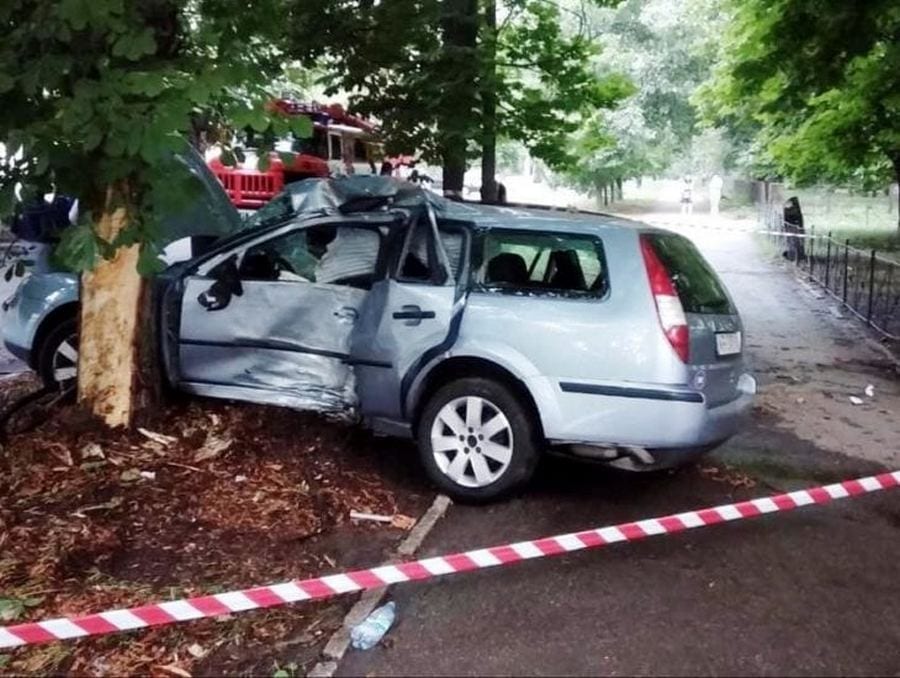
{"x":226,"y":284}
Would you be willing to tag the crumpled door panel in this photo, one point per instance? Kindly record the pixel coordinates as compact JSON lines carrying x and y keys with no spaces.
{"x":280,"y":342}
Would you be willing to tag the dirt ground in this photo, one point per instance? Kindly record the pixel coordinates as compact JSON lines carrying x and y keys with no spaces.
{"x":211,"y":497}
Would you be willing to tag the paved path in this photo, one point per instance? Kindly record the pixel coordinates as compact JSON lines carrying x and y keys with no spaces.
{"x":807,"y":593}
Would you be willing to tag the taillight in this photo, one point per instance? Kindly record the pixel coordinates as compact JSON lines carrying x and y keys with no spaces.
{"x":668,"y":305}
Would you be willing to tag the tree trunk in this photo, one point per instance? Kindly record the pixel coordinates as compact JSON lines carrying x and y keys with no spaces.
{"x":114,"y":352}
{"x":895,"y":159}
{"x":619,"y":193}
{"x":459,"y":28}
{"x":489,"y":105}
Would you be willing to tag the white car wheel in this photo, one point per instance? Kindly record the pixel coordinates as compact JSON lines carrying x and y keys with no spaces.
{"x":472,"y":441}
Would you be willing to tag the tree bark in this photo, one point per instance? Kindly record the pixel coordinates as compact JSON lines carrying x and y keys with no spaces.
{"x":114,"y":354}
{"x":459,"y":28}
{"x":895,"y":159}
{"x":489,"y":105}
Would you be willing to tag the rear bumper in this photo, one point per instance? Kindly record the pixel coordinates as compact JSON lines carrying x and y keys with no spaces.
{"x":674,"y":422}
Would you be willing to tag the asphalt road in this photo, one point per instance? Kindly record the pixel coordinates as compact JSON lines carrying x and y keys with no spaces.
{"x":805,"y":593}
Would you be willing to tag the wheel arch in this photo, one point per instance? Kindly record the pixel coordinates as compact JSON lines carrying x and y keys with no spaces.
{"x":459,"y":367}
{"x":62,"y":313}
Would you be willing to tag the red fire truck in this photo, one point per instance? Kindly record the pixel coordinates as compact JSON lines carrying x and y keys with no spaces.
{"x":341,"y":143}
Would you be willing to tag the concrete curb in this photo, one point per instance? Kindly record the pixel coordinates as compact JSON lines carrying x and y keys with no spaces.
{"x":339,"y":642}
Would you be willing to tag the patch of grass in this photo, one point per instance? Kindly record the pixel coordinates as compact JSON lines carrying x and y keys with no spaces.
{"x":882,"y":241}
{"x":842,"y":211}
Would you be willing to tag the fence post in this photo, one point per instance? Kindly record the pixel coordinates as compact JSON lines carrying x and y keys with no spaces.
{"x":828,"y":261}
{"x":846,"y":266}
{"x":809,"y":249}
{"x":871,"y":286}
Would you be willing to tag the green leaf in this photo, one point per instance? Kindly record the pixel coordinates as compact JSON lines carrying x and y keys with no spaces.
{"x":4,"y":660}
{"x":11,"y":609}
{"x":78,"y":248}
{"x":262,"y":164}
{"x":149,"y":262}
{"x":301,"y":126}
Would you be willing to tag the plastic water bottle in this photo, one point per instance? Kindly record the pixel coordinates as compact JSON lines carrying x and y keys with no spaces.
{"x":366,"y":634}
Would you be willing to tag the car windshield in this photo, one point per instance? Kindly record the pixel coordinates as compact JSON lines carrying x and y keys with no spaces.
{"x":278,"y":209}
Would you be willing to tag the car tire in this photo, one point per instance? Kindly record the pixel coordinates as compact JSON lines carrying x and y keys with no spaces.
{"x":477,"y":440}
{"x":57,"y":360}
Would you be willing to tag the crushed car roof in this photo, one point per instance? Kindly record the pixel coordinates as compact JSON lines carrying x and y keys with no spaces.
{"x":363,"y":194}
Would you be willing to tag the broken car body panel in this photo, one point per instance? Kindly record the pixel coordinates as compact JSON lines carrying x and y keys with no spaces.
{"x":347,"y":296}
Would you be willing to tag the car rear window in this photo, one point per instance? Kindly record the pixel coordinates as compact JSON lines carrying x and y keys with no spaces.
{"x":535,"y":263}
{"x":697,"y":284}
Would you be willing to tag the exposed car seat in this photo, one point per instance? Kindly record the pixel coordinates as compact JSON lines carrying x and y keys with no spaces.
{"x":507,"y":267}
{"x":565,"y":271}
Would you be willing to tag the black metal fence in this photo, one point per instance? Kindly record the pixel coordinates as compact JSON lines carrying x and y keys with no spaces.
{"x":866,"y":283}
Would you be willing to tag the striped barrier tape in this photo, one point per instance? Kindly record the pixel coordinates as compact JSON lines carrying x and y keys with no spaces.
{"x":158,"y":614}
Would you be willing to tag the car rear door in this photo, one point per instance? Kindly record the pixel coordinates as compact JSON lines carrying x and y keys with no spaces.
{"x":411,"y":316}
{"x":282,"y":337}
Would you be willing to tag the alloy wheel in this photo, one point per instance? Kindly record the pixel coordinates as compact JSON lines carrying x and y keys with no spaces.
{"x":65,"y":362}
{"x":472,"y":441}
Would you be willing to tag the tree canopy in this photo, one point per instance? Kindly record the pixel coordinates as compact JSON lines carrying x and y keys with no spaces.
{"x":814,"y":85}
{"x":100,"y":93}
{"x":421,"y":68}
{"x":665,"y":49}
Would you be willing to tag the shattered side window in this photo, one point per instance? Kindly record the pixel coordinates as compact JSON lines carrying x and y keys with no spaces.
{"x":542,"y":263}
{"x":418,"y":261}
{"x":453,"y":245}
{"x":335,"y":255}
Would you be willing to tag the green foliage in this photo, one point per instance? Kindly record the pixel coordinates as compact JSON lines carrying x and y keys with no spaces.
{"x":813,"y":85}
{"x":666,"y":49}
{"x":407,"y":64}
{"x":14,"y":608}
{"x":102,"y":93}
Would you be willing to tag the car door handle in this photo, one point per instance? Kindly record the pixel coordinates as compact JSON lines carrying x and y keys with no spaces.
{"x":346,"y":313}
{"x":412,"y":314}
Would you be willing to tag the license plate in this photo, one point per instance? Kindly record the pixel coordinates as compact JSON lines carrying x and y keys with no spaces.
{"x":728,"y":343}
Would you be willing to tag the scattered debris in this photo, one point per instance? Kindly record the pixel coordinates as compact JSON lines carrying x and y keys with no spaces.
{"x":728,"y":475}
{"x":240,"y":478}
{"x":175,"y":670}
{"x":130,"y":475}
{"x":197,"y":651}
{"x":92,"y":451}
{"x":366,"y":634}
{"x":398,"y":520}
{"x":358,"y":515}
{"x":855,"y":400}
{"x":402,"y":522}
{"x":158,"y":437}
{"x":213,"y":447}
{"x":102,"y":535}
{"x":870,"y":391}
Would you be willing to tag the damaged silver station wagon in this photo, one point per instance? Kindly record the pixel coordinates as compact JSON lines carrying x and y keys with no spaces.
{"x":488,"y":334}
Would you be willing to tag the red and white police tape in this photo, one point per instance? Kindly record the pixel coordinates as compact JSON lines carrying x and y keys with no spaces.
{"x":335,"y":584}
